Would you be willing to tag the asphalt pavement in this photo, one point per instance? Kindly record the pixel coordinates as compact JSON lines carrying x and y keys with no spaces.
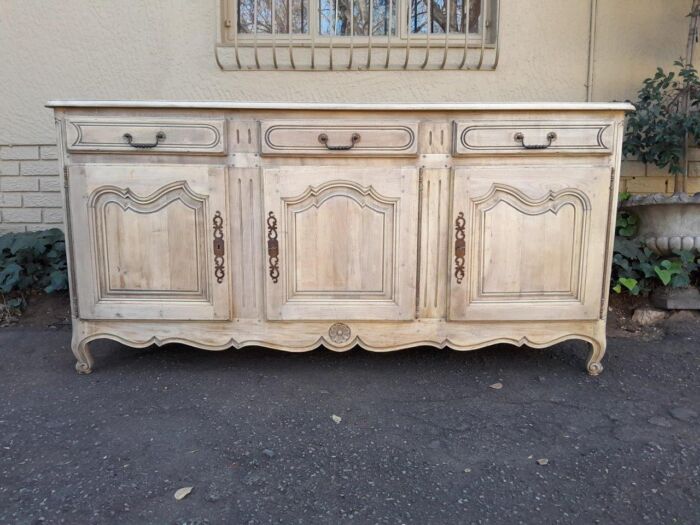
{"x":421,"y":436}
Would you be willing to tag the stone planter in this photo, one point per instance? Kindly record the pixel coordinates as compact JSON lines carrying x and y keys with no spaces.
{"x":667,"y":223}
{"x":676,"y":298}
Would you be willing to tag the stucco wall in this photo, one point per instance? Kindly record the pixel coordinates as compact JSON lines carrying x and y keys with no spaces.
{"x":164,"y":49}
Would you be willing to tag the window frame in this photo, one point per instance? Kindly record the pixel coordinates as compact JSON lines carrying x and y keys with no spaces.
{"x":232,"y":37}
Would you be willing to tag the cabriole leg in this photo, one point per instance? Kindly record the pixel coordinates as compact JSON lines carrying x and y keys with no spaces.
{"x":81,"y":351}
{"x":595,"y":356}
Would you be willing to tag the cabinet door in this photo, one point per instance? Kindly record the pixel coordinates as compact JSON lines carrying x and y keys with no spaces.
{"x":149,"y":241}
{"x":341,"y":242}
{"x":529,"y":242}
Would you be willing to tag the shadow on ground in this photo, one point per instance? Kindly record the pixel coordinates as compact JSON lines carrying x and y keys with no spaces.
{"x":422,"y":439}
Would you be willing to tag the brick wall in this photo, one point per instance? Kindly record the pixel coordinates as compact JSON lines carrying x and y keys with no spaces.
{"x":30,"y":197}
{"x":640,"y":179}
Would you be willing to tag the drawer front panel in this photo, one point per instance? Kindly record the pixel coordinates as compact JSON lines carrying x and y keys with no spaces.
{"x":532,"y":137}
{"x":147,"y":135}
{"x":340,"y":138}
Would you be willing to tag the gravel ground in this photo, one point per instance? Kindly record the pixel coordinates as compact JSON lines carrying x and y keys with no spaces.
{"x":418,"y":436}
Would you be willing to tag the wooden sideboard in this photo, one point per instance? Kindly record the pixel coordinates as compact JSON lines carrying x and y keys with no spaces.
{"x":291,"y":226}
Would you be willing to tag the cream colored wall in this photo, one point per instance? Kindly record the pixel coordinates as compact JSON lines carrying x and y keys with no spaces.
{"x":164,"y":49}
{"x":633,"y":38}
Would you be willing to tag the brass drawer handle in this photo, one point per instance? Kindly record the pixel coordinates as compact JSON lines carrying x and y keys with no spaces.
{"x":354,"y":139}
{"x":219,"y":247}
{"x":520,"y":137}
{"x":144,"y":145}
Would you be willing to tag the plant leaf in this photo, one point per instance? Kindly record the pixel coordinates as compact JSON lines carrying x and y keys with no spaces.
{"x":664,"y":275}
{"x":628,"y":282}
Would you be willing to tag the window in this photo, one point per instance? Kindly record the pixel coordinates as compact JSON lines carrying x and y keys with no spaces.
{"x":359,"y":34}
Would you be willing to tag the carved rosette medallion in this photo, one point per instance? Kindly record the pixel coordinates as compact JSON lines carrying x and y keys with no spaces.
{"x":339,"y":333}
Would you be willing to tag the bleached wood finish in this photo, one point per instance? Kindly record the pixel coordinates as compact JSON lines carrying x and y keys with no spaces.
{"x":144,"y":241}
{"x":347,"y":242}
{"x":344,"y":106}
{"x":301,"y":137}
{"x":172,"y":135}
{"x":535,"y":235}
{"x":524,"y":136}
{"x":437,"y":227}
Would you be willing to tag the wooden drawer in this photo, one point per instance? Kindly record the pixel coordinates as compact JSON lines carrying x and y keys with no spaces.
{"x":532,"y":137}
{"x":146,"y":135}
{"x":339,"y":137}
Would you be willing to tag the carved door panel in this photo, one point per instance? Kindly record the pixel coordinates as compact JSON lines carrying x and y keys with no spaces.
{"x":341,"y":242}
{"x":528,"y":242}
{"x":149,"y":241}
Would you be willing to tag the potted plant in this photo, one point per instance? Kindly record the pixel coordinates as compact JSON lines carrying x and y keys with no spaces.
{"x":665,"y":125}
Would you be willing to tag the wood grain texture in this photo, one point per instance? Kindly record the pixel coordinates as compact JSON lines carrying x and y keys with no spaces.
{"x":500,"y":137}
{"x":106,"y":134}
{"x":143,"y":241}
{"x":588,"y":107}
{"x":534,"y":238}
{"x":347,"y":242}
{"x":372,"y":336}
{"x":434,"y":239}
{"x":246,"y":246}
{"x":364,"y":241}
{"x":301,"y":137}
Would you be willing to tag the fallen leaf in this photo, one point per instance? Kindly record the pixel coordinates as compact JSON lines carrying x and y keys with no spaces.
{"x":496,"y":386}
{"x":542,"y":461}
{"x":336,"y":419}
{"x":182,"y":493}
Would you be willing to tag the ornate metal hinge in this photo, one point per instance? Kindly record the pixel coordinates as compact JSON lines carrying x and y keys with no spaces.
{"x":219,"y":247}
{"x":273,"y":248}
{"x":460,"y":246}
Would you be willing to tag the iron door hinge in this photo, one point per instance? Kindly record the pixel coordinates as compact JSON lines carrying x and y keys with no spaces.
{"x":219,"y":247}
{"x":273,"y":248}
{"x":460,"y":249}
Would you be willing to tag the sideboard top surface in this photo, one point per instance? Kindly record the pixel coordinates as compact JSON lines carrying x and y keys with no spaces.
{"x":526,"y":106}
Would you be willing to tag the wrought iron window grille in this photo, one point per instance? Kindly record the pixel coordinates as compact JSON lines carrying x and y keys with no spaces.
{"x":359,"y":35}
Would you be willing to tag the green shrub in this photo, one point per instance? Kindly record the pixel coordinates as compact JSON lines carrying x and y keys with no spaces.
{"x":666,"y":121}
{"x":32,"y":261}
